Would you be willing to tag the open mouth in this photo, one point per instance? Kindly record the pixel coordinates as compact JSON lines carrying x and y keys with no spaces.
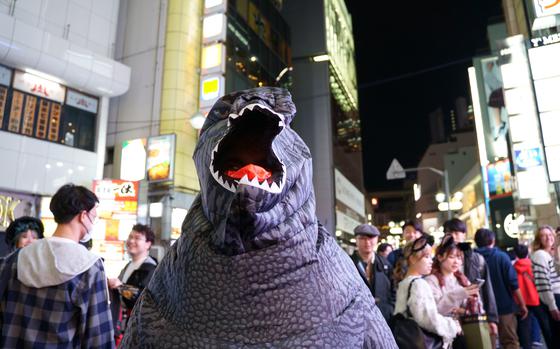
{"x":245,"y":156}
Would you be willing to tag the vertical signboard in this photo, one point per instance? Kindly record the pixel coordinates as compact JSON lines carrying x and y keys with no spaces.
{"x":546,"y":74}
{"x":161,"y":158}
{"x":525,"y":135}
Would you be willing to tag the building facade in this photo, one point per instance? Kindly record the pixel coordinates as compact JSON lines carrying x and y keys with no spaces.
{"x":325,"y":93}
{"x":57,"y":77}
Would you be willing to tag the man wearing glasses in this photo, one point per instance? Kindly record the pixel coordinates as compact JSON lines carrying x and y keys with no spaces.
{"x":136,"y":274}
{"x":53,"y":293}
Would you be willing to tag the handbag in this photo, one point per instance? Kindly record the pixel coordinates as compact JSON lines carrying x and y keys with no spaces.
{"x":409,"y":335}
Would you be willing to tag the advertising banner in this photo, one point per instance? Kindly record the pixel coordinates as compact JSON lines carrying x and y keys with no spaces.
{"x":38,"y":86}
{"x":499,"y":179}
{"x":160,"y":163}
{"x":495,"y":124}
{"x":116,"y":196}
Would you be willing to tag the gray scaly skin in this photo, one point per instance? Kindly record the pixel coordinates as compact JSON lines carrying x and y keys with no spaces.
{"x":252,"y":268}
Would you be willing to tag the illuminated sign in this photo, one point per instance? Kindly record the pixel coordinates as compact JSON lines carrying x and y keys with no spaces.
{"x":35,"y":85}
{"x":545,"y":40}
{"x":545,"y":8}
{"x":116,"y":196}
{"x":133,"y":159}
{"x":348,"y":194}
{"x":345,"y":222}
{"x":5,"y":76}
{"x":214,"y":28}
{"x":340,"y":47}
{"x":546,"y":75}
{"x":116,"y":189}
{"x":499,"y":179}
{"x":160,"y":163}
{"x":212,"y":6}
{"x":211,"y":88}
{"x":527,"y":158}
{"x":213,"y":59}
{"x":81,"y":101}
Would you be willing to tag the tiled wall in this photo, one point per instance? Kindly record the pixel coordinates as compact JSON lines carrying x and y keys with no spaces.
{"x":40,"y":167}
{"x":179,"y":98}
{"x":90,"y":24}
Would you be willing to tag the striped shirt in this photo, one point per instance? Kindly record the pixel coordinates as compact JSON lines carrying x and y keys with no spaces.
{"x":74,"y":314}
{"x":547,"y":279}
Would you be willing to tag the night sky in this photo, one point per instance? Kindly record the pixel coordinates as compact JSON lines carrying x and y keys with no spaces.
{"x":397,"y":38}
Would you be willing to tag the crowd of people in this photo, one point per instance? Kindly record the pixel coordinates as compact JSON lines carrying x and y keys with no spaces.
{"x":54,"y":291}
{"x":462,"y":296}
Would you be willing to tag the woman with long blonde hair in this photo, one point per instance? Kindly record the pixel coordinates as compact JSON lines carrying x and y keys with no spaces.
{"x":547,"y":281}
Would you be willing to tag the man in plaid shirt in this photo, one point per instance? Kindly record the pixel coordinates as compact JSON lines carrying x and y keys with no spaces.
{"x":56,"y":293}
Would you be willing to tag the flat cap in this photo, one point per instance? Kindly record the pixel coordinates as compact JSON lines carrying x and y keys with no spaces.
{"x":366,"y":229}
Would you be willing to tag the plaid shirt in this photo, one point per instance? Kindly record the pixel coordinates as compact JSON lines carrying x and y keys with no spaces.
{"x":74,"y":314}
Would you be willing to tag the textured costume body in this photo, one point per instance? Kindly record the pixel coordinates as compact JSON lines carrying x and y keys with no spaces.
{"x":253,"y":268}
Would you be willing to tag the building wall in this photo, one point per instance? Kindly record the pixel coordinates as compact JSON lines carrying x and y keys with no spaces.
{"x":311,"y":94}
{"x":181,"y":77}
{"x":70,"y":42}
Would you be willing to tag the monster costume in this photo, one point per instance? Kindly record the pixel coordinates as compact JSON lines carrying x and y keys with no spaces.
{"x":253,"y":268}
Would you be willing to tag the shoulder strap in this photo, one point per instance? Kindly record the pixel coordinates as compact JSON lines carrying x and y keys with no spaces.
{"x":408,"y":296}
{"x":7,"y":272}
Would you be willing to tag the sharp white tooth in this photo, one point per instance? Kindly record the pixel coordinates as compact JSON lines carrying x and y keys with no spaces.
{"x":275,"y":188}
{"x":264,"y":185}
{"x":235,"y":116}
{"x":244,"y":180}
{"x":251,"y":107}
{"x":254,"y":182}
{"x":281,"y":123}
{"x":228,"y":123}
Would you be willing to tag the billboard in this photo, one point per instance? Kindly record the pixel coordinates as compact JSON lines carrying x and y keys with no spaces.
{"x":493,"y":114}
{"x":160,"y":162}
{"x":499,"y":179}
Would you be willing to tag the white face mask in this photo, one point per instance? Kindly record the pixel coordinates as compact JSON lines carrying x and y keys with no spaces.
{"x":89,"y":231}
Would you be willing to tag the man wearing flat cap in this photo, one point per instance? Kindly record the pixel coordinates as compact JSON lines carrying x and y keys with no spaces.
{"x":375,"y":270}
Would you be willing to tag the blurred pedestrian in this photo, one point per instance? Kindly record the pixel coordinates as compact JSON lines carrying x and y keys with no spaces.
{"x":506,"y":288}
{"x":134,"y":277}
{"x":454,"y":294}
{"x":23,"y":231}
{"x":54,"y":292}
{"x":374,"y":269}
{"x":412,"y":230}
{"x":415,"y":298}
{"x":475,"y":268}
{"x":384,"y":249}
{"x":547,"y":281}
{"x":523,"y":268}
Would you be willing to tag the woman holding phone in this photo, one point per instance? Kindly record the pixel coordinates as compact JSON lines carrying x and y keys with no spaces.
{"x":453,"y":292}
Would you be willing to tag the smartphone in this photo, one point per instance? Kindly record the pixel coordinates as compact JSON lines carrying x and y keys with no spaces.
{"x":479,"y":282}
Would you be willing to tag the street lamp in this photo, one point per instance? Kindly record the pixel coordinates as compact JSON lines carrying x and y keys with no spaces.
{"x":197,"y":120}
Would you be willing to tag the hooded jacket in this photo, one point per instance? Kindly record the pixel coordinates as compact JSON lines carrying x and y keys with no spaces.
{"x":64,"y":289}
{"x":524,"y":269}
{"x":253,"y":268}
{"x":504,"y":278}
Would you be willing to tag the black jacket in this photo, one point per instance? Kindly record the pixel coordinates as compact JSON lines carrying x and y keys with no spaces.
{"x":139,"y":279}
{"x":476,"y":268}
{"x":381,"y":285}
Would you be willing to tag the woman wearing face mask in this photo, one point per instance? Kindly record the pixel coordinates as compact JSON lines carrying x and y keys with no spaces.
{"x":23,"y":231}
{"x":423,"y":308}
{"x":453,"y":292}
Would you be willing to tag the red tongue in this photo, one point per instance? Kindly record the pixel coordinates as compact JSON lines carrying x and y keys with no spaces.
{"x":251,"y":171}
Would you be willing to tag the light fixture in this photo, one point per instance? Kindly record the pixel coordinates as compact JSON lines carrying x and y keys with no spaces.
{"x":418,"y":215}
{"x":353,"y":241}
{"x":197,"y":120}
{"x":320,"y":58}
{"x":253,"y":58}
{"x":391,"y":224}
{"x":338,"y":233}
{"x":440,"y":197}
